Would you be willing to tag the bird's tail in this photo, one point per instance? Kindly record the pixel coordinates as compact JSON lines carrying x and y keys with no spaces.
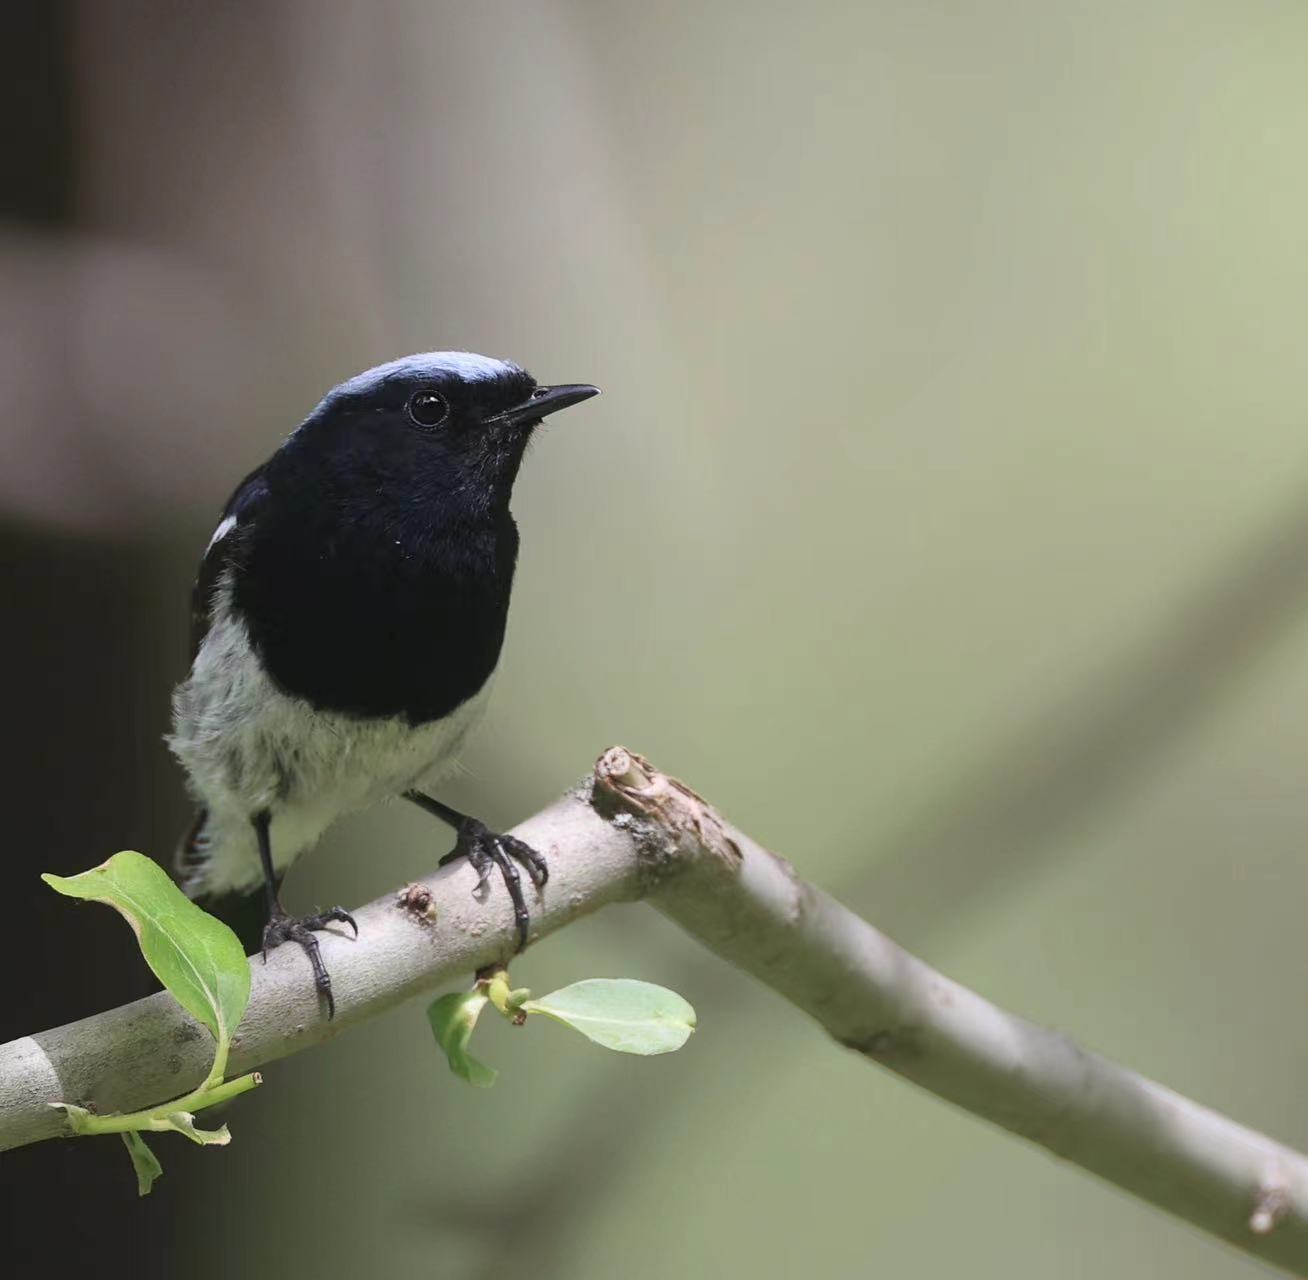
{"x":192,"y":857}
{"x":243,"y":912}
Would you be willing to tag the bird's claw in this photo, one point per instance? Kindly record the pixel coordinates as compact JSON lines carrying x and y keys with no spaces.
{"x":284,"y":928}
{"x":485,"y":849}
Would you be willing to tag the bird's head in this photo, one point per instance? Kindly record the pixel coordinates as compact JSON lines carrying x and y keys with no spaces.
{"x":443,"y":427}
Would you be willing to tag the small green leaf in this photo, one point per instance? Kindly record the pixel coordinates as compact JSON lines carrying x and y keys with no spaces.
{"x":79,"y":1118}
{"x":452,"y":1019}
{"x":184,"y":1123}
{"x":198,"y":958}
{"x":621,"y":1014}
{"x":144,"y":1161}
{"x":507,"y":1000}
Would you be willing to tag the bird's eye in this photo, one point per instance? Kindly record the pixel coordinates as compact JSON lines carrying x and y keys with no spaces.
{"x":427,"y":409}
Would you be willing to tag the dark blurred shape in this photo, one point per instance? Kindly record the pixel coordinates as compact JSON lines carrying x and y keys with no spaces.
{"x":37,"y":178}
{"x":82,"y":743}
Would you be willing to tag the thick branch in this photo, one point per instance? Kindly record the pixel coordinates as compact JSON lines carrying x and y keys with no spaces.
{"x":631,"y":832}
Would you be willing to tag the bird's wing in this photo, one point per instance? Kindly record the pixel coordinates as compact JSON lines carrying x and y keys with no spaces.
{"x":228,"y":540}
{"x":222,"y":553}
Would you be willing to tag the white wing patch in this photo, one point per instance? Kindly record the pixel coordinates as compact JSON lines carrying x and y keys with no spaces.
{"x":224,"y":528}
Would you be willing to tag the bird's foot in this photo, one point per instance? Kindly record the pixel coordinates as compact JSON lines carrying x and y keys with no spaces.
{"x":283,"y":928}
{"x":486,"y":849}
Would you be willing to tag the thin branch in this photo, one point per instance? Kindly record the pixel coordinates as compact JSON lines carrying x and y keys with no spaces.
{"x":630,"y":832}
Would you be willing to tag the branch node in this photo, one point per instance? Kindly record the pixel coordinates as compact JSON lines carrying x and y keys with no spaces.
{"x":419,"y":902}
{"x":626,"y":783}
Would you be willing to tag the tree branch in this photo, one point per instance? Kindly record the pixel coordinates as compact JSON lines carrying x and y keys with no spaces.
{"x":630,"y":832}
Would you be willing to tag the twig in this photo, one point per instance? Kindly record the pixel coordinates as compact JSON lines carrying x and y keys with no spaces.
{"x":631,"y":832}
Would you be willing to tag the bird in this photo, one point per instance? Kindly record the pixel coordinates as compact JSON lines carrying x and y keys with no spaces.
{"x":347,"y":621}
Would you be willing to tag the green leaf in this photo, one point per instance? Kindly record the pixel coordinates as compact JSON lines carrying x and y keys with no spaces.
{"x":198,"y":958}
{"x":452,"y":1019}
{"x":621,"y":1014}
{"x":79,"y":1118}
{"x":184,"y":1123}
{"x":144,"y":1161}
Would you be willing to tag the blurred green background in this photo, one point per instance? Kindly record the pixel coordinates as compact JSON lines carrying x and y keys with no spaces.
{"x":944,"y":520}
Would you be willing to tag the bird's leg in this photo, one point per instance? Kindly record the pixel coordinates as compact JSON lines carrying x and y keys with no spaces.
{"x":282,"y":927}
{"x":484,"y":849}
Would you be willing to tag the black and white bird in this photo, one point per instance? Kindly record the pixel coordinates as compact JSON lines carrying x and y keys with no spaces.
{"x":347,"y":621}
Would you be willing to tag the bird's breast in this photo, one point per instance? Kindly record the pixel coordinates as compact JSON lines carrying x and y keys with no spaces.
{"x":249,"y":745}
{"x":403,"y":621}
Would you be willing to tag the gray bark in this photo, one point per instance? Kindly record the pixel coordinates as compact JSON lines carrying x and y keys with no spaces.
{"x":631,"y":832}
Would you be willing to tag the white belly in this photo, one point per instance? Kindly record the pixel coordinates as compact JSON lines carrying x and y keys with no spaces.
{"x":247,"y":747}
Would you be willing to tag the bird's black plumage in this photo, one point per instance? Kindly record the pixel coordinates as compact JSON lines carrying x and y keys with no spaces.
{"x":373,"y":561}
{"x":403,"y":609}
{"x":348,"y":614}
{"x":224,"y":554}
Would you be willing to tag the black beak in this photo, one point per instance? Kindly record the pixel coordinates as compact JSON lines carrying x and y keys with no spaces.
{"x":546,"y":400}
